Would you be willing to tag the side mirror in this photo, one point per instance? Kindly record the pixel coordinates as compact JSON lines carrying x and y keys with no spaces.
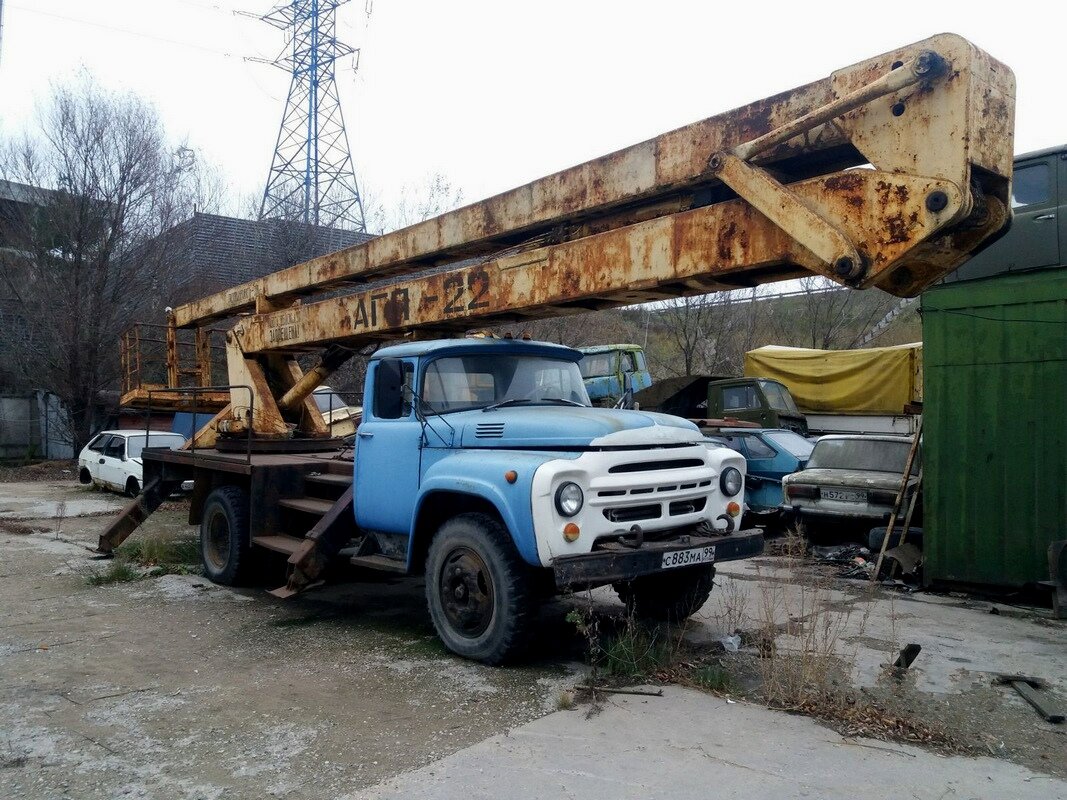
{"x":388,"y":389}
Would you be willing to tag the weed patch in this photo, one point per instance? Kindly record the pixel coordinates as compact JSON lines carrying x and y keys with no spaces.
{"x":118,"y":572}
{"x":163,"y":554}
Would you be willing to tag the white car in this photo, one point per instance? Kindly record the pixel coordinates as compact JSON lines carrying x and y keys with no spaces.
{"x":112,"y":460}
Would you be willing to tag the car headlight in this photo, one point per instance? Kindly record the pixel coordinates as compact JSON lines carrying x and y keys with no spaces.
{"x":730,"y":481}
{"x":569,"y":499}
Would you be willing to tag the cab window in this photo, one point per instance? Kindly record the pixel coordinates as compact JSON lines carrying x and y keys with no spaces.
{"x":757,"y":448}
{"x":116,"y":448}
{"x":98,"y":444}
{"x":1031,"y":185}
{"x":737,"y":398}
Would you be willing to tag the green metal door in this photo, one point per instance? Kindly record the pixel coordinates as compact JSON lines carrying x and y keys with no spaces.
{"x":995,"y":428}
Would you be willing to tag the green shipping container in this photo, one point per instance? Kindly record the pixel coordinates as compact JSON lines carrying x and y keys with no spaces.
{"x":995,"y":427}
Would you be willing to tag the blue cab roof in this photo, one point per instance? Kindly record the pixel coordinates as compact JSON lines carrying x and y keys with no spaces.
{"x":478,"y":346}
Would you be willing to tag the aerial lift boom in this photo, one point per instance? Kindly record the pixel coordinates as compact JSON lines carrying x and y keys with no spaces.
{"x":889,"y":174}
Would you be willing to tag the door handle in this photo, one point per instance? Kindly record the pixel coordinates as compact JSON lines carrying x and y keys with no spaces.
{"x":1044,"y":217}
{"x":365,"y":434}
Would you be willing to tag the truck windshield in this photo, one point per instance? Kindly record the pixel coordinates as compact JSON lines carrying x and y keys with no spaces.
{"x":597,"y":365}
{"x":877,"y":455}
{"x":135,"y":444}
{"x":466,"y":382}
{"x":778,"y":397}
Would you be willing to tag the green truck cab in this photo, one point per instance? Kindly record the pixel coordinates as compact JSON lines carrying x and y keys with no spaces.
{"x":760,"y":400}
{"x":1038,"y":232}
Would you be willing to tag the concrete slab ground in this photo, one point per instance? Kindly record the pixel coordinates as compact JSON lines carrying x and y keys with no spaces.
{"x":172,"y":687}
{"x":688,"y":744}
{"x":963,"y":644}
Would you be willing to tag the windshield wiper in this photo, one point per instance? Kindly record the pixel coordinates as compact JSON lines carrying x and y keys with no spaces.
{"x":514,"y":401}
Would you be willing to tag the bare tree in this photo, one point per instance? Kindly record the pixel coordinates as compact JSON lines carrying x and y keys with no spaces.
{"x":835,"y":318}
{"x":413,"y":203}
{"x":696,"y":330}
{"x":96,"y":184}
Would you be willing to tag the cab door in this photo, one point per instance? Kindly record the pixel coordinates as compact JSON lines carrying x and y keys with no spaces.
{"x":94,"y":455}
{"x":763,"y":482}
{"x":1033,"y":240}
{"x":1035,"y":233}
{"x":113,"y":463}
{"x":388,"y":452}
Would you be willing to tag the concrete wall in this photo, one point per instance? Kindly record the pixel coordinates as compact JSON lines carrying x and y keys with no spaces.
{"x":33,"y":425}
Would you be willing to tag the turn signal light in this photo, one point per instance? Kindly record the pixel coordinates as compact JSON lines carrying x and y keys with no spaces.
{"x":733,"y":509}
{"x":511,"y":476}
{"x":571,"y":531}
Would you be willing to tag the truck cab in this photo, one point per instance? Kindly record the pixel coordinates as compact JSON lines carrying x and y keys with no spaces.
{"x":611,"y":371}
{"x":483,"y":463}
{"x":1038,"y":233}
{"x":761,"y":400}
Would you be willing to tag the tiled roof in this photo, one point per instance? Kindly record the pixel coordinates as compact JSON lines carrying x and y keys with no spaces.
{"x":211,"y":251}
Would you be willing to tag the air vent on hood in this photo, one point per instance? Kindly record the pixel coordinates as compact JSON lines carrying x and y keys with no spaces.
{"x":489,"y":430}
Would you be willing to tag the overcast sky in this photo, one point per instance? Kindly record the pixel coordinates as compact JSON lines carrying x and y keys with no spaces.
{"x":492,"y":94}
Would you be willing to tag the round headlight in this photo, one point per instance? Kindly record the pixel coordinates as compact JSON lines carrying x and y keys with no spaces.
{"x":569,"y":499}
{"x":730,"y":481}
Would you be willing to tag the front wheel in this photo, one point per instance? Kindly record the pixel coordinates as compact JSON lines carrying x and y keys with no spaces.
{"x":478,"y":590}
{"x":668,"y":596}
{"x":224,"y":543}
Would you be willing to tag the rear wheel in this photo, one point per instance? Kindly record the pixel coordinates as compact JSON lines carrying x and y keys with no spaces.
{"x":133,"y":488}
{"x":224,"y":543}
{"x":478,"y":590}
{"x":668,"y":596}
{"x":85,"y":477}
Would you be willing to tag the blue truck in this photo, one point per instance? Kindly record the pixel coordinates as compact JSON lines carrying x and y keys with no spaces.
{"x":482,"y":465}
{"x":614,"y":373}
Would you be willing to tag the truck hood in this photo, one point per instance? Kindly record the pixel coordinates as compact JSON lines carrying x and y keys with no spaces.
{"x":562,"y":427}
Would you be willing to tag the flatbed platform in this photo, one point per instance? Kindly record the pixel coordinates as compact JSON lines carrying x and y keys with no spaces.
{"x":246,"y":463}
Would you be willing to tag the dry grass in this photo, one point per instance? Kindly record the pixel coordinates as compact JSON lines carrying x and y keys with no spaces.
{"x":794,"y":657}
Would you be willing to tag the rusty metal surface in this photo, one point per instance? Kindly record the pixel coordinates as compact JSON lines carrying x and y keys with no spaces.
{"x":959,"y":118}
{"x":162,"y":400}
{"x":135,"y":512}
{"x":716,"y":247}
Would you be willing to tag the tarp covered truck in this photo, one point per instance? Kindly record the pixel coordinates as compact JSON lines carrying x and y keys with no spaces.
{"x":872,"y":390}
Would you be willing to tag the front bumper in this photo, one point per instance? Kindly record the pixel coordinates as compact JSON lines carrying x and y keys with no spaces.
{"x":622,"y":563}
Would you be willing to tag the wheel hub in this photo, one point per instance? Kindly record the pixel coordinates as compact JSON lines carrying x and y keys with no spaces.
{"x":217,"y":541}
{"x":466,"y":590}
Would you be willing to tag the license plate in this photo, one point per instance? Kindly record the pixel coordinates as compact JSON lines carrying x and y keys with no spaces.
{"x":685,"y":558}
{"x":844,"y":494}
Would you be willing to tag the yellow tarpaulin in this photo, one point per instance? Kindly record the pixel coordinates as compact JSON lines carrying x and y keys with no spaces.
{"x":877,"y":380}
